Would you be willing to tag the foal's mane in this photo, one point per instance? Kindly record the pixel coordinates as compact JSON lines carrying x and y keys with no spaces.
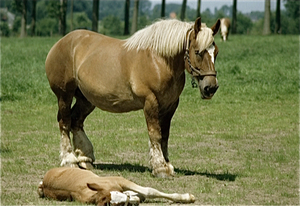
{"x":167,"y":37}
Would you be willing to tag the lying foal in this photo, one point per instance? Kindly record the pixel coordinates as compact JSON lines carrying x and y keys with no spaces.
{"x":67,"y":183}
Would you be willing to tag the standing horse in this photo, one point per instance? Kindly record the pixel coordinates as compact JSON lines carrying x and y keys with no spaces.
{"x":225,"y":28}
{"x":145,"y":72}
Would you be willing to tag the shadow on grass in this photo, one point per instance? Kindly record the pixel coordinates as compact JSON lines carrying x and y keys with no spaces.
{"x":122,"y":167}
{"x":139,"y":168}
{"x":222,"y":177}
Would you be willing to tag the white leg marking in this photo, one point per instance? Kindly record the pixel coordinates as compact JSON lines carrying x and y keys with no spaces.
{"x":66,"y":151}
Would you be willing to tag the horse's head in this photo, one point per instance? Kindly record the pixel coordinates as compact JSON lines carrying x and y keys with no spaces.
{"x":200,"y":56}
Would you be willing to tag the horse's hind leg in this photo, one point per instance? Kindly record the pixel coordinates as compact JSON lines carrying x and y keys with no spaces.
{"x":82,"y":145}
{"x":64,"y":118}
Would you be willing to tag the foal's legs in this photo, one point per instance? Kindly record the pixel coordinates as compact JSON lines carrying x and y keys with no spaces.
{"x":82,"y":145}
{"x":148,"y":192}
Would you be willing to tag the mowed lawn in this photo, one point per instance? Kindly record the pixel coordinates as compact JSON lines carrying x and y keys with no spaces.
{"x":241,"y":147}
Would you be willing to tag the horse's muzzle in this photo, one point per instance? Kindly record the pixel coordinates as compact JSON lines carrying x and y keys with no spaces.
{"x":208,"y":87}
{"x":209,"y":91}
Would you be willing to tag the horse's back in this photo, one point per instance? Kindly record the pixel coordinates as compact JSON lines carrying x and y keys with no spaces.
{"x":69,"y":54}
{"x":61,"y":55}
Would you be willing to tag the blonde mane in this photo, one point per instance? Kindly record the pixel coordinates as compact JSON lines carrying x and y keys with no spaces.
{"x":167,"y":37}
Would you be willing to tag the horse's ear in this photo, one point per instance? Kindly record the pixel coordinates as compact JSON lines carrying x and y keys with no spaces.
{"x":215,"y":28}
{"x":197,"y":26}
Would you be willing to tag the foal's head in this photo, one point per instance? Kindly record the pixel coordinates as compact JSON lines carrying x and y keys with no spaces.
{"x":201,"y":53}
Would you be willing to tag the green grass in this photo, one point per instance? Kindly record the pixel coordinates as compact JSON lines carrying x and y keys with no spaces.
{"x":241,"y":147}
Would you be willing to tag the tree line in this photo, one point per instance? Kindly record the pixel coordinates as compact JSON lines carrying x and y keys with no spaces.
{"x":116,"y":17}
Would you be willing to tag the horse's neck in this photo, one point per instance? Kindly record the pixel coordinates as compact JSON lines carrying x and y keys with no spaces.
{"x":177,"y":64}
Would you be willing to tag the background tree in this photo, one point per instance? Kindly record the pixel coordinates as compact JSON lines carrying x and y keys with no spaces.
{"x":163,"y":9}
{"x":33,"y":17}
{"x":183,"y":8}
{"x":134,"y":25}
{"x":292,"y":22}
{"x":293,"y":8}
{"x":24,"y":18}
{"x":198,"y":14}
{"x":48,"y":15}
{"x":71,"y":15}
{"x":112,"y":26}
{"x":234,"y":19}
{"x":81,"y":20}
{"x":277,"y":24}
{"x":62,"y":17}
{"x":267,"y":18}
{"x":126,"y":17}
{"x":244,"y":25}
{"x":4,"y":28}
{"x":95,"y":15}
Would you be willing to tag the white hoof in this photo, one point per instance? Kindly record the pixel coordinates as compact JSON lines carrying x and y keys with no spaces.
{"x":164,"y":172}
{"x":41,"y":189}
{"x":69,"y":160}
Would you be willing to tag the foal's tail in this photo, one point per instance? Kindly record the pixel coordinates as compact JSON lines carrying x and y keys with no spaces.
{"x":41,"y":190}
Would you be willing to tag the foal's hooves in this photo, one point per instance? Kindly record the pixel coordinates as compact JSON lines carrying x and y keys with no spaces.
{"x":192,"y":198}
{"x":86,"y":165}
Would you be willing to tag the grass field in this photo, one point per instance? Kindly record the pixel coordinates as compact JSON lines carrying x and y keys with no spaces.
{"x":241,"y":147}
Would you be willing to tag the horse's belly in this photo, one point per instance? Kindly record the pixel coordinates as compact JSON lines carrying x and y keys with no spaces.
{"x":114,"y":102}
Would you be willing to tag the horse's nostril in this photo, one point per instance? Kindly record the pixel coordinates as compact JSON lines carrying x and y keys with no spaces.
{"x":206,"y":89}
{"x":210,"y":90}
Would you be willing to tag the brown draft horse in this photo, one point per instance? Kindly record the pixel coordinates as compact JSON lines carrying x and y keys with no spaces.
{"x":225,"y":28}
{"x":145,"y":72}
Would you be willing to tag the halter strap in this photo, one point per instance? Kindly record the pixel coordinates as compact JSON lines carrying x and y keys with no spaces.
{"x":192,"y":70}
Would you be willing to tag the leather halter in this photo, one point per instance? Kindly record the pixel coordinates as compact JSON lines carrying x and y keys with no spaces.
{"x":192,"y":70}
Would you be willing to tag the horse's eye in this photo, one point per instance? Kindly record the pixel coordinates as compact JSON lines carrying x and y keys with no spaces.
{"x":197,"y":52}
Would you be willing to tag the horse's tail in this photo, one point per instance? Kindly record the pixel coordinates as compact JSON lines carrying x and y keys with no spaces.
{"x":41,"y":190}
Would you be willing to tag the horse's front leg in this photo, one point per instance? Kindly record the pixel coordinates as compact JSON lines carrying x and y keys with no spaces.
{"x":165,"y":118}
{"x":160,"y":167}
